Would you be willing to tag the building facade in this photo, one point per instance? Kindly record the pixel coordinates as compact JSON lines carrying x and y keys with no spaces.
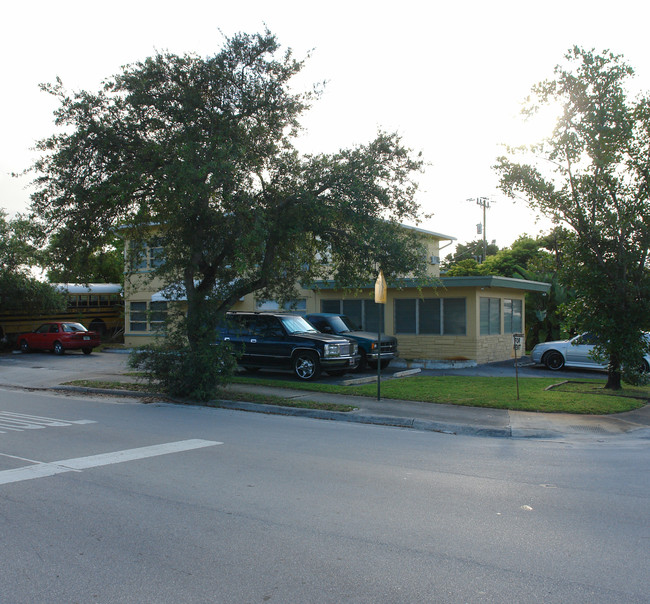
{"x":456,"y":319}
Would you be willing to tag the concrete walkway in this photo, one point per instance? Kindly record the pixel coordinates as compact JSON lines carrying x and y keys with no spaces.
{"x":455,"y":419}
{"x":46,"y":371}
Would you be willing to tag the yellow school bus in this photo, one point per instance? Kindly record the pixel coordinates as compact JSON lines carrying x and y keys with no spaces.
{"x":97,"y":306}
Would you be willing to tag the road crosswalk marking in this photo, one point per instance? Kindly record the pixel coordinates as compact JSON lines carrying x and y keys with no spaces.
{"x":78,"y":464}
{"x":17,"y":422}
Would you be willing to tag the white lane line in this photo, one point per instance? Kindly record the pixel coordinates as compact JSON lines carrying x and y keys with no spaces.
{"x":41,"y":470}
{"x":17,"y":422}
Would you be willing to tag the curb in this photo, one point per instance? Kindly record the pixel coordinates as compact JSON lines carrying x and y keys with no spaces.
{"x":377,"y":420}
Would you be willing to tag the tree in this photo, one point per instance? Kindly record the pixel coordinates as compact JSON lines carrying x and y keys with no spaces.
{"x":545,"y":312}
{"x":102,"y":265}
{"x":592,"y":176}
{"x":19,"y":290}
{"x":505,"y":262}
{"x":203,"y":149}
{"x":473,"y":250}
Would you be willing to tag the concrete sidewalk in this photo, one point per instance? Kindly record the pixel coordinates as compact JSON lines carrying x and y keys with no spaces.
{"x":455,"y":419}
{"x":46,"y":371}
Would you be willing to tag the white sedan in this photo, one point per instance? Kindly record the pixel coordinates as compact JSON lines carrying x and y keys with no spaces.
{"x":576,"y":352}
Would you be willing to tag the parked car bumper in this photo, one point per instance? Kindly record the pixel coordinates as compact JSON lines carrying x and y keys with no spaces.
{"x":536,"y":355}
{"x":340,"y":362}
{"x":79,"y":344}
{"x":385,"y":356}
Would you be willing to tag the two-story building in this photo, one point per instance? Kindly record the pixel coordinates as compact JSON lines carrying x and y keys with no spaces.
{"x":458,"y":319}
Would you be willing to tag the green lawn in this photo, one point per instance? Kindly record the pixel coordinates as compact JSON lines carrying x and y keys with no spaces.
{"x":496,"y":392}
{"x":546,"y":395}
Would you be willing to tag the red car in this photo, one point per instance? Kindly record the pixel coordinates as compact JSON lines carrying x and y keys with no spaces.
{"x":59,"y":337}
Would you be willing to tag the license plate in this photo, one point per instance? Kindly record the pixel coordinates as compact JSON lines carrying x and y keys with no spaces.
{"x":86,"y":337}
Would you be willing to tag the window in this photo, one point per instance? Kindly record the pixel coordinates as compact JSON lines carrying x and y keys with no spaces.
{"x":147,"y":316}
{"x":147,"y":256}
{"x":138,"y":316}
{"x":364,"y":313}
{"x":157,"y":315}
{"x":513,"y":316}
{"x":298,"y":306}
{"x":433,"y":316}
{"x":454,"y":316}
{"x":406,"y":319}
{"x":490,"y":316}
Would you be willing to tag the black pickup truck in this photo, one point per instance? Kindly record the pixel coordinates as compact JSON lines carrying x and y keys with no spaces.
{"x":284,"y":341}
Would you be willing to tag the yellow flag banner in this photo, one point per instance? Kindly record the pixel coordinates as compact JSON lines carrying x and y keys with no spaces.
{"x":380,"y":289}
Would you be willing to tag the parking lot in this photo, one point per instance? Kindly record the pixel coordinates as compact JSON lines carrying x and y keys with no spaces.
{"x":42,"y":369}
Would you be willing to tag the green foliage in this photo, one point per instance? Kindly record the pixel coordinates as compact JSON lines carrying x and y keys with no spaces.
{"x":18,"y":289}
{"x":203,"y":149}
{"x":505,"y":262}
{"x":194,"y":372}
{"x":592,"y":176}
{"x":465,"y":268}
{"x":545,"y":313}
{"x":472,"y":250}
{"x":103,"y":265}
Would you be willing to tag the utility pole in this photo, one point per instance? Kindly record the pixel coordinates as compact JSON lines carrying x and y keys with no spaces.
{"x":484,"y":202}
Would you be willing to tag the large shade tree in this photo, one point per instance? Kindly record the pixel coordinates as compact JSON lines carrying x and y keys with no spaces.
{"x":202,"y":151}
{"x":592,"y":175}
{"x":19,"y":289}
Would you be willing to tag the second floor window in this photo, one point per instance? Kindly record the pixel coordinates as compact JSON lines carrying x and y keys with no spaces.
{"x":148,"y":256}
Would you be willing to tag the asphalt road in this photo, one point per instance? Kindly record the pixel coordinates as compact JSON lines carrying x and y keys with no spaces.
{"x":111,"y":500}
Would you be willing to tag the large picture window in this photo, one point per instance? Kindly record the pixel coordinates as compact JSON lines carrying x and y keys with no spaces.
{"x":490,"y":316}
{"x":431,"y":316}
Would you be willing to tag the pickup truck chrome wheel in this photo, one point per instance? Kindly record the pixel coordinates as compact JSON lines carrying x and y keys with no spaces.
{"x":306,"y":365}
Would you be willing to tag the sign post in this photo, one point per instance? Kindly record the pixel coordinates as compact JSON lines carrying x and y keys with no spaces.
{"x":380,"y":298}
{"x":517,"y":343}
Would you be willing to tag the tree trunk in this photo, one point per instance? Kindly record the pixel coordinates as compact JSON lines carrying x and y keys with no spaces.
{"x":613,"y":376}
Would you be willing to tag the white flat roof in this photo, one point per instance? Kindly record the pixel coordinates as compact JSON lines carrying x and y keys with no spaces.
{"x":89,"y":288}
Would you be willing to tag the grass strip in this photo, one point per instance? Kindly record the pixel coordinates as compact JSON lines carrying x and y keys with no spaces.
{"x":262,"y":399}
{"x":492,"y":392}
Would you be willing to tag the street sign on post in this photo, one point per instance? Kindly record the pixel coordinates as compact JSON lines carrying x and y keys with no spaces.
{"x":517,"y":344}
{"x":380,"y":289}
{"x":380,"y":298}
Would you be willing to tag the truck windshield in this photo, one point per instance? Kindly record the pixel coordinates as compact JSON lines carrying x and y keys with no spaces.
{"x":341,"y":324}
{"x":297,"y":325}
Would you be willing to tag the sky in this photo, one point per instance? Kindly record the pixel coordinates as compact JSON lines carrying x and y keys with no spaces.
{"x":449,"y":77}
